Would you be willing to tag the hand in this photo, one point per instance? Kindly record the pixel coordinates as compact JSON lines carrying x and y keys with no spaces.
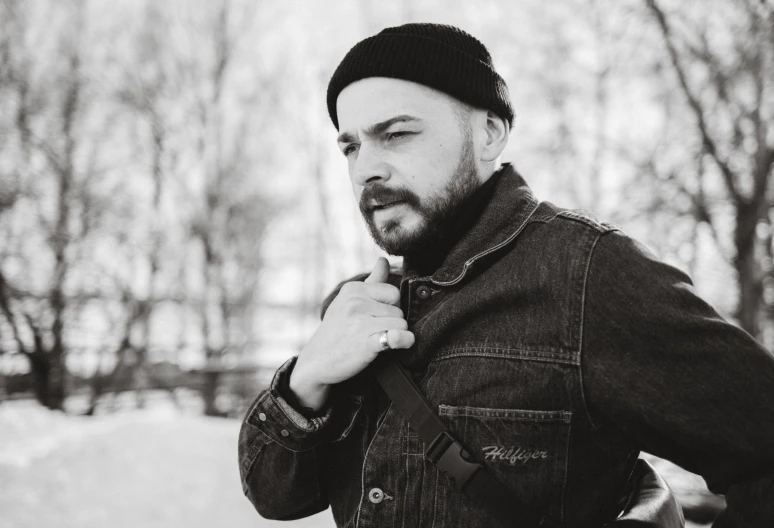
{"x":347,"y":340}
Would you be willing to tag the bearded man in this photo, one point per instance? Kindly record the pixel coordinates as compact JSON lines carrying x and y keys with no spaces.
{"x":552,"y":345}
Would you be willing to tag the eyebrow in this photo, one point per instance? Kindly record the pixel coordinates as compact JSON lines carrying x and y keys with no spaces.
{"x":378,"y":128}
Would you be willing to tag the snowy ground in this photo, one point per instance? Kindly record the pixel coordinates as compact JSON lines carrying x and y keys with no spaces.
{"x":151,"y":468}
{"x":158,"y":467}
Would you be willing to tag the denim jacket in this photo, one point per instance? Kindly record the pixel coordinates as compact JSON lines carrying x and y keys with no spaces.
{"x":555,"y":347}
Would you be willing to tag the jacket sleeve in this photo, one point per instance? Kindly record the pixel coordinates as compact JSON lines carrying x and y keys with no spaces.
{"x":282,"y":454}
{"x":659,"y":363}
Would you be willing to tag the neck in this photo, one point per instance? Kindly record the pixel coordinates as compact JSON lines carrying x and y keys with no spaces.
{"x":425,"y":262}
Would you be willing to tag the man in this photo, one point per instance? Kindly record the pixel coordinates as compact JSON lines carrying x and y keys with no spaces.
{"x":553,"y":346}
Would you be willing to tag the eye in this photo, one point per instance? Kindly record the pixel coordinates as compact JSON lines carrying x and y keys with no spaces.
{"x":396,"y":135}
{"x":349,"y":149}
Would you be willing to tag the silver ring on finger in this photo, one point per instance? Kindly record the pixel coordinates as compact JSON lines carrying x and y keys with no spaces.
{"x":384,"y":343}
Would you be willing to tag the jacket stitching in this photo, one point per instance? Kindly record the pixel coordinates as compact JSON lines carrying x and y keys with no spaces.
{"x":272,"y":439}
{"x":437,"y":310}
{"x":249,"y":469}
{"x":254,"y":407}
{"x":405,"y":494}
{"x":260,"y":425}
{"x":253,"y":450}
{"x":583,"y":324}
{"x":435,"y":497}
{"x":565,"y":472}
{"x":421,"y":485}
{"x":314,"y":423}
{"x":320,"y":499}
{"x":511,"y":353}
{"x":492,"y":249}
{"x":583,"y":218}
{"x":351,"y":425}
{"x":526,"y":415}
{"x":365,"y":463}
{"x":543,"y":349}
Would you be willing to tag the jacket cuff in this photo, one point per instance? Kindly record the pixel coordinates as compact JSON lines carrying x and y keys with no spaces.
{"x":280,"y":387}
{"x":273,"y":416}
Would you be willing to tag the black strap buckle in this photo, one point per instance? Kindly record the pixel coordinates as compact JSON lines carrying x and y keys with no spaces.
{"x":449,"y":456}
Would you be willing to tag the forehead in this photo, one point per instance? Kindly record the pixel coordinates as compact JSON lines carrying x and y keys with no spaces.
{"x":376,"y":99}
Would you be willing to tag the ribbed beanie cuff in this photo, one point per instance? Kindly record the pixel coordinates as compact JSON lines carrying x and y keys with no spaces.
{"x":439,"y":56}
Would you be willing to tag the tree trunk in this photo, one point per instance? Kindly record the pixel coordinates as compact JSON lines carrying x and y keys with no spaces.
{"x":209,"y":392}
{"x":48,"y":380}
{"x":57,"y":383}
{"x":748,"y":270}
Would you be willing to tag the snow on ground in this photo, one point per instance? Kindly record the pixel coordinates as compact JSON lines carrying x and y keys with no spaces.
{"x":148,"y":468}
{"x":162,"y":466}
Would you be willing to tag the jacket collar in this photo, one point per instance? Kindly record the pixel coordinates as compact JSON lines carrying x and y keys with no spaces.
{"x":501,"y":220}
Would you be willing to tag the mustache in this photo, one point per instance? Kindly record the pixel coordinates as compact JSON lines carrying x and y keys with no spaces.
{"x":383,"y":194}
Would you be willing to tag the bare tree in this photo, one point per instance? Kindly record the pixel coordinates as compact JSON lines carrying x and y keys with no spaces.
{"x":60,"y":102}
{"x":728,"y":91}
{"x":229,"y":222}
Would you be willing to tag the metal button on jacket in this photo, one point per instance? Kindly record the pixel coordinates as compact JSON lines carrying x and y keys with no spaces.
{"x":423,"y":292}
{"x":376,"y":495}
{"x":284,"y":432}
{"x":262,"y":417}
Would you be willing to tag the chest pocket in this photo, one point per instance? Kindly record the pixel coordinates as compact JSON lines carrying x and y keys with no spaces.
{"x":524,"y":449}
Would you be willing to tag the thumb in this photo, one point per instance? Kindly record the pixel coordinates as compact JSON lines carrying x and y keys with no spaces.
{"x":380,"y":272}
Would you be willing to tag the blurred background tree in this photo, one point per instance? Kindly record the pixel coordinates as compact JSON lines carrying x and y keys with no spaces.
{"x":173,"y":206}
{"x":171,"y":193}
{"x":722,"y":62}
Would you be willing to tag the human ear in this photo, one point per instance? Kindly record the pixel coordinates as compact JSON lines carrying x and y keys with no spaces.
{"x":497,"y":134}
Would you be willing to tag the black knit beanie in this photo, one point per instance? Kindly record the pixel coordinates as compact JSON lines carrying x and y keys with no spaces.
{"x":439,"y":56}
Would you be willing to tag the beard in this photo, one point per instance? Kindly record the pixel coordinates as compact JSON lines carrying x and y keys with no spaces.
{"x":437,"y":212}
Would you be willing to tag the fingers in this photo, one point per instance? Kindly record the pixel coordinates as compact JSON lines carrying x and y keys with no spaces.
{"x":380,"y":272}
{"x":382,"y":292}
{"x":377,"y":309}
{"x":378,"y":291}
{"x":397,"y":339}
{"x":376,"y":324}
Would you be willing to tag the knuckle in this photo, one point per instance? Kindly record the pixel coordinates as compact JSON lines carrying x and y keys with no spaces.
{"x":354,"y":304}
{"x":347,"y":288}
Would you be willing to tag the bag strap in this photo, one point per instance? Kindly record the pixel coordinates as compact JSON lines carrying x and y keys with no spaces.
{"x":447,"y":453}
{"x":652,"y":503}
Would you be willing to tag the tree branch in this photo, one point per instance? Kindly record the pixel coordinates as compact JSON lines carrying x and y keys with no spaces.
{"x":700,"y":211}
{"x":693,"y":101}
{"x":5,"y":306}
{"x":37,"y":336}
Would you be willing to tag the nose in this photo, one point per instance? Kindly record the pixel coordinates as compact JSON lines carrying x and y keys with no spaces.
{"x":369,"y":167}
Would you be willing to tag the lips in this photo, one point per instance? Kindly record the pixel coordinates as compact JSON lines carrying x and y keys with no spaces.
{"x":385,"y":205}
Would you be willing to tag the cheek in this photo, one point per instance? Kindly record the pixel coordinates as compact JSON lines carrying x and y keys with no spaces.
{"x":440,"y":150}
{"x":431,"y":165}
